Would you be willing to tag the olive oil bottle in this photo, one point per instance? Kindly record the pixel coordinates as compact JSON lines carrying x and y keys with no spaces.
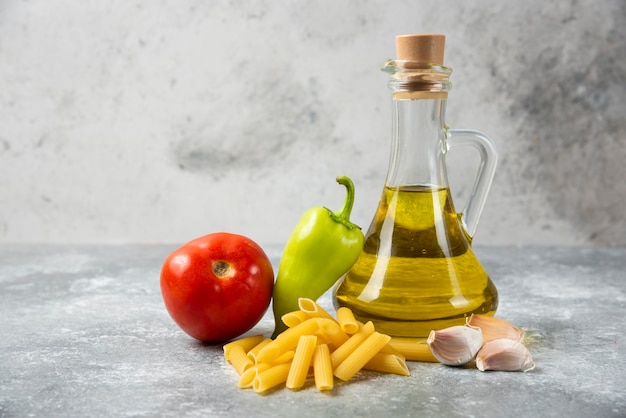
{"x":417,"y":271}
{"x":412,"y":278}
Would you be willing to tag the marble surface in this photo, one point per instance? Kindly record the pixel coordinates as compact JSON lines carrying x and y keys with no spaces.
{"x":85,"y":333}
{"x":145,"y":122}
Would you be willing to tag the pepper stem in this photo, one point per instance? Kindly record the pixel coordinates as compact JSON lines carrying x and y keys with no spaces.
{"x":343,"y":215}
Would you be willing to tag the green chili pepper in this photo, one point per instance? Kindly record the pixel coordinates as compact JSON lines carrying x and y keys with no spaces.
{"x":321,"y":249}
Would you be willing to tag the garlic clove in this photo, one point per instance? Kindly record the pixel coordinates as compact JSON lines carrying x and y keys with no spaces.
{"x":495,"y":328}
{"x":504,"y":355}
{"x":455,"y":346}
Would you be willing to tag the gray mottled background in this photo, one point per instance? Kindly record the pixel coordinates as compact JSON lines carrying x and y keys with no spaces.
{"x":132,"y":121}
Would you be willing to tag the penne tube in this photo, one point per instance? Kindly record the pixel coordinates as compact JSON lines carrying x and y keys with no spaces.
{"x":246,"y":343}
{"x":413,"y":349}
{"x":294,"y":318}
{"x":342,"y":352}
{"x":301,"y":361}
{"x":247,"y":377}
{"x":313,"y":310}
{"x":322,"y":338}
{"x":271,"y":377}
{"x":323,"y":368}
{"x":361,"y":355}
{"x":388,"y":363}
{"x":283,"y":358}
{"x":346,"y":320}
{"x":332,"y":332}
{"x":287,"y":340}
{"x":239,"y":359}
{"x":388,"y":349}
{"x":254,"y":351}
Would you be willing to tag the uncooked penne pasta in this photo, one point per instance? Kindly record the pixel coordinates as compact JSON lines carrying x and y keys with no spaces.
{"x":301,"y":361}
{"x":239,"y":359}
{"x":287,"y":340}
{"x":283,"y":358}
{"x":331,"y":331}
{"x":341,"y":353}
{"x":388,"y":363}
{"x":313,"y":310}
{"x":271,"y":377}
{"x":336,"y":348}
{"x":247,"y":377}
{"x":388,"y":349}
{"x":246,"y":343}
{"x":361,"y":355}
{"x":323,"y":368}
{"x":412,"y":349}
{"x":291,"y":319}
{"x":347,"y":321}
{"x":252,"y":354}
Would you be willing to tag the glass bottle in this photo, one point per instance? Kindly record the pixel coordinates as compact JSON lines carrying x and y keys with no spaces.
{"x":417,"y":271}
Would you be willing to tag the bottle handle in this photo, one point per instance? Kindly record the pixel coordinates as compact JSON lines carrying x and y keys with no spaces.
{"x":486,"y":170}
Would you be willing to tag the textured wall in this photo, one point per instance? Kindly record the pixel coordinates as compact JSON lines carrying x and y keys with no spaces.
{"x":127,"y":121}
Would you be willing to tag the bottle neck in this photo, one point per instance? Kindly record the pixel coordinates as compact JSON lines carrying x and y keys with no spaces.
{"x":418,"y":143}
{"x":418,"y":147}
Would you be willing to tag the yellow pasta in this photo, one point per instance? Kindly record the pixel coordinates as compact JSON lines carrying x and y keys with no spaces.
{"x":388,"y":349}
{"x":287,"y":340}
{"x":313,"y":310}
{"x":271,"y":377}
{"x":301,"y":361}
{"x":361,"y":355}
{"x":254,"y":351}
{"x":247,"y":377}
{"x":388,"y":363}
{"x":341,"y":353}
{"x":246,"y":343}
{"x":283,"y":358}
{"x":318,"y":345}
{"x":332,"y":333}
{"x":346,"y":320}
{"x":323,"y":368}
{"x":412,"y":349}
{"x":239,"y":359}
{"x":291,"y":319}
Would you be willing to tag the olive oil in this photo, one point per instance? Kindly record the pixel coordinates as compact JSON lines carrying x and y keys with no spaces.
{"x":417,"y":271}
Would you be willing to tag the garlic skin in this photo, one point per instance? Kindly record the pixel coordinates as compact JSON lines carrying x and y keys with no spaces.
{"x":504,"y":355}
{"x":455,"y":346}
{"x":495,"y":328}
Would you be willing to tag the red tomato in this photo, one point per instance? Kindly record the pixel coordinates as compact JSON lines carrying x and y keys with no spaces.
{"x":218,"y":286}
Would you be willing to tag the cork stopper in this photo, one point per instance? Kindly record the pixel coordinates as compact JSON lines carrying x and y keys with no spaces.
{"x":421,"y":48}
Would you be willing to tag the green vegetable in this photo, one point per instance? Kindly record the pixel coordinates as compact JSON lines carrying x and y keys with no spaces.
{"x":322,"y":248}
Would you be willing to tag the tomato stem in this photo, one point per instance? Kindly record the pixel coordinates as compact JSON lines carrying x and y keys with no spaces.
{"x":221,"y":269}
